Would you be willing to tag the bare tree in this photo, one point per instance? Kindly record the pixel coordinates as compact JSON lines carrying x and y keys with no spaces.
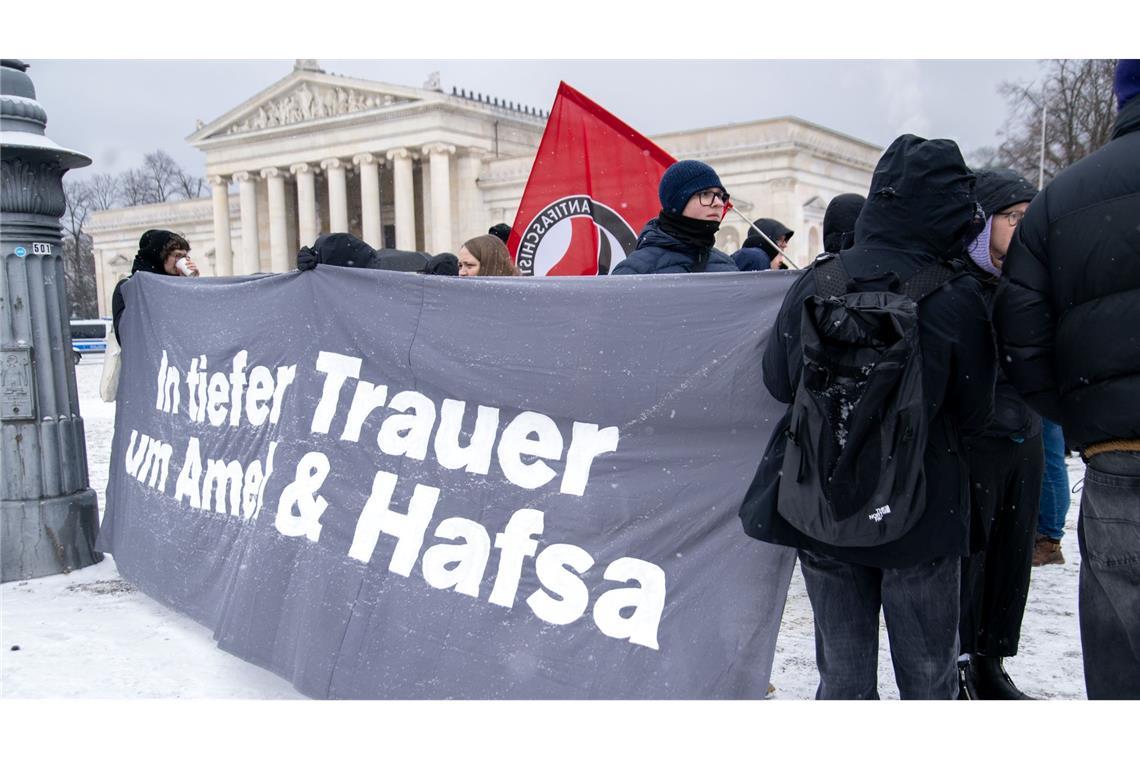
{"x":162,"y":172}
{"x":159,"y":180}
{"x":135,"y":188}
{"x":1080,"y":111}
{"x":188,"y":185}
{"x":78,"y":254}
{"x":103,"y":191}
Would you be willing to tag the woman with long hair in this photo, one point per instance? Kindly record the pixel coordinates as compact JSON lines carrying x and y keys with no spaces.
{"x":485,"y":256}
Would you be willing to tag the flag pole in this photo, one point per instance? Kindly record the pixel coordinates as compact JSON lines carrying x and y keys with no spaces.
{"x":760,"y":232}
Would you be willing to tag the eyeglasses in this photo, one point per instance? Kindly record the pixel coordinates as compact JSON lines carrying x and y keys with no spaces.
{"x":705,"y":197}
{"x":1013,"y":217}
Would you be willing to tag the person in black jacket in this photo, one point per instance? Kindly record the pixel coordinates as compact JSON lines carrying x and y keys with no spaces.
{"x":758,"y":254}
{"x":1006,"y":464}
{"x":921,"y":209}
{"x":341,"y":249}
{"x":159,"y":253}
{"x":681,"y":238}
{"x":1067,"y":315}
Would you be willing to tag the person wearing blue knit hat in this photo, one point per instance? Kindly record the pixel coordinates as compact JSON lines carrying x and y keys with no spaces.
{"x":1065,"y":313}
{"x":682,"y":237}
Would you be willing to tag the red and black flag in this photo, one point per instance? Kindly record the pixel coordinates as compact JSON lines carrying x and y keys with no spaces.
{"x":592,"y":188}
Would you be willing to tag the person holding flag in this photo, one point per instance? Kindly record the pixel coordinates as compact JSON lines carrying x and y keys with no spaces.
{"x":681,"y":238}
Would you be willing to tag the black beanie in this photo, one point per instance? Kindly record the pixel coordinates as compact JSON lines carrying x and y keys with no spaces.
{"x":681,"y":180}
{"x":999,"y":189}
{"x":501,"y":231}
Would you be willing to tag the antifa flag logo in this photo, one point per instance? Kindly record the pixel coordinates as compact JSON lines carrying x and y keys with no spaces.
{"x":571,"y":230}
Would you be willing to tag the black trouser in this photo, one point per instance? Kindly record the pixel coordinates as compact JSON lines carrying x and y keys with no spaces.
{"x":1005,"y":480}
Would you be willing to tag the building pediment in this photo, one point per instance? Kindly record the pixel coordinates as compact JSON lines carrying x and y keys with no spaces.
{"x":306,"y":97}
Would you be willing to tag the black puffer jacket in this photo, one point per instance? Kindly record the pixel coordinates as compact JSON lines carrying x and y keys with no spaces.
{"x":1067,"y":311}
{"x":660,"y":253}
{"x":920,"y":206}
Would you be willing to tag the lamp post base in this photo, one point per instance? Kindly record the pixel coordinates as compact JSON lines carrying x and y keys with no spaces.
{"x":41,"y":537}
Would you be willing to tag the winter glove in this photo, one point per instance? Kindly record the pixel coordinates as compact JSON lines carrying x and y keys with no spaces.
{"x":307,"y":259}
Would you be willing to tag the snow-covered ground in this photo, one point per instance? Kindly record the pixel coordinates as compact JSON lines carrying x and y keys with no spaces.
{"x":90,"y":634}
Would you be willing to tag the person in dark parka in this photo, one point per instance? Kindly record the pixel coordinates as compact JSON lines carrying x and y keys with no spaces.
{"x":921,"y":209}
{"x":757,"y":254}
{"x":682,"y":237}
{"x":159,"y":252}
{"x":1066,"y":313}
{"x":839,"y":221}
{"x":1006,"y":464}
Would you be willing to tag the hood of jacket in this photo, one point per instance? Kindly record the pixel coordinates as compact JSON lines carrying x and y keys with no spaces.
{"x":998,"y":189}
{"x":921,"y":200}
{"x":149,"y":257}
{"x":839,"y":221}
{"x":344,"y":250}
{"x":774,"y":229}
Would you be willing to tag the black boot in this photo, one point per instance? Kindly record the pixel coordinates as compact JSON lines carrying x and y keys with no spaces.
{"x":990,"y":681}
{"x":966,"y":688}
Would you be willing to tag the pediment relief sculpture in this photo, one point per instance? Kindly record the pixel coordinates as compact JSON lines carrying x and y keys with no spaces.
{"x":310,"y":102}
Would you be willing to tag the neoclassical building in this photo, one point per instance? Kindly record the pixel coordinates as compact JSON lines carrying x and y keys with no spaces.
{"x":418,"y":168}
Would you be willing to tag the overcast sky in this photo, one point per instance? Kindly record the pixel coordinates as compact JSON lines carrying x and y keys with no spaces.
{"x":115,"y":111}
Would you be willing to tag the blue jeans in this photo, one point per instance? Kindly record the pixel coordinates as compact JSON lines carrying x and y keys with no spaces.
{"x":920,"y":605}
{"x":1109,"y":599}
{"x":1055,"y":485}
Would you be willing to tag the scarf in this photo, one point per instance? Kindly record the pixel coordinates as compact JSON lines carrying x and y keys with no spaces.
{"x":695,"y":232}
{"x":979,"y":250}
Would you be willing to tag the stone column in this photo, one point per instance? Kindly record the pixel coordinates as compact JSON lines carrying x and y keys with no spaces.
{"x":307,"y":226}
{"x":425,"y":201}
{"x":338,"y":194}
{"x":440,"y":154}
{"x":372,"y":225}
{"x":472,"y":216}
{"x":249,"y":262}
{"x":405,"y":203}
{"x":278,"y":228}
{"x":223,"y":249}
{"x":102,"y":295}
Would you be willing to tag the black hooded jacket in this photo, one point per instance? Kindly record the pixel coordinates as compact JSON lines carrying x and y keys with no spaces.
{"x":756,"y":254}
{"x":1012,"y":417}
{"x":1067,"y":311}
{"x":921,"y":204}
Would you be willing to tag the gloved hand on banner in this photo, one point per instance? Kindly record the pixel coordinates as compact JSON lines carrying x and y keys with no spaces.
{"x":307,"y":259}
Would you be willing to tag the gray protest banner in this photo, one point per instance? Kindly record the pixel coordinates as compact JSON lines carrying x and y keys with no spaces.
{"x":388,"y":485}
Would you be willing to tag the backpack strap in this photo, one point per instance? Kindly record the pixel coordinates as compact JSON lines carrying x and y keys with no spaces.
{"x":930,"y":278}
{"x":831,"y":276}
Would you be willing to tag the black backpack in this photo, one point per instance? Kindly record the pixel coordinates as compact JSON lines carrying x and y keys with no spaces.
{"x":853,"y":467}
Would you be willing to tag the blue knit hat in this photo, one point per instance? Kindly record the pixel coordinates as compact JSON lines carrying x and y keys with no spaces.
{"x":681,"y":180}
{"x":1127,"y":82}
